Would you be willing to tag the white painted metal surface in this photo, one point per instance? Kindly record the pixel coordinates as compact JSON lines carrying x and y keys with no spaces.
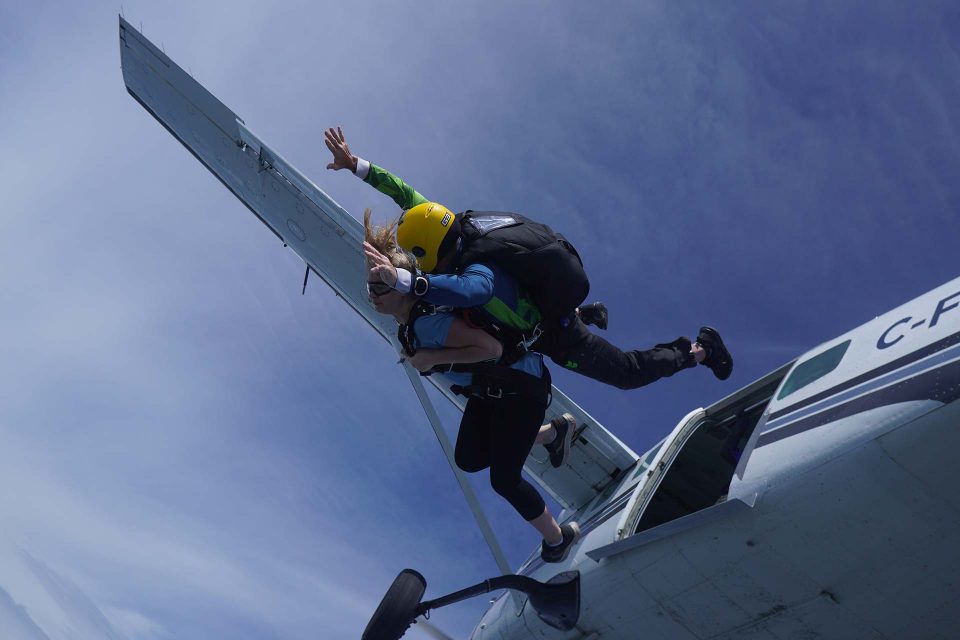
{"x":854,"y":530}
{"x":325,"y":236}
{"x":854,"y":527}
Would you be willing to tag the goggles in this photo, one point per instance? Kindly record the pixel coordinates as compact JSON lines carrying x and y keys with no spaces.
{"x":378,"y":288}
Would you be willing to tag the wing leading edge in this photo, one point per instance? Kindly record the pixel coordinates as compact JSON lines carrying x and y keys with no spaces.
{"x":327,"y":238}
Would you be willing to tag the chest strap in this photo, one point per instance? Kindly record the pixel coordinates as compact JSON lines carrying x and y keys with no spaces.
{"x":405,"y":333}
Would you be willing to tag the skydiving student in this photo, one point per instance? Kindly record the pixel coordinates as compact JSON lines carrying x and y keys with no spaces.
{"x":506,"y":405}
{"x":454,"y":252}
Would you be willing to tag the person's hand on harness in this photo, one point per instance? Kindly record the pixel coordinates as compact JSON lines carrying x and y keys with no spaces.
{"x":380,"y":267}
{"x":424,"y":359}
{"x":342,"y":158}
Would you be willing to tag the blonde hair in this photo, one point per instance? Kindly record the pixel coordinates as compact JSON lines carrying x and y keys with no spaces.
{"x":383,"y":239}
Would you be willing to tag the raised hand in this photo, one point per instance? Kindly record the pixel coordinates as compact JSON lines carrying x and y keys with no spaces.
{"x":342,"y":158}
{"x":380,"y":267}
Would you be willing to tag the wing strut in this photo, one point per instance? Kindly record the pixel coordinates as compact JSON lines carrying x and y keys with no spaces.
{"x":471,"y":498}
{"x":328,"y":239}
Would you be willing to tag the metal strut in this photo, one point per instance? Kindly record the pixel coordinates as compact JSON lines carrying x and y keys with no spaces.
{"x":471,"y":498}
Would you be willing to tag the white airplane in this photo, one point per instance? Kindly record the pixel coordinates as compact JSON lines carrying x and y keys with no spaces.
{"x":818,"y":502}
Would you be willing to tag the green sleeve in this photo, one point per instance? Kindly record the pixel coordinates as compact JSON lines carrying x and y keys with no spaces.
{"x":385,"y":182}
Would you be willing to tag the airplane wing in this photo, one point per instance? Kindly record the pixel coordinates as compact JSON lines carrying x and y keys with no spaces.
{"x":327,"y":238}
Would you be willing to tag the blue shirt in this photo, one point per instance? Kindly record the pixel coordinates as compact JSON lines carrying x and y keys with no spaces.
{"x":432,"y":331}
{"x":488,"y":289}
{"x":473,"y":287}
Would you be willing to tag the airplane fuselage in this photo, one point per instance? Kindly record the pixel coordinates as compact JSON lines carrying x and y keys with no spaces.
{"x":845,"y":523}
{"x":818,"y":501}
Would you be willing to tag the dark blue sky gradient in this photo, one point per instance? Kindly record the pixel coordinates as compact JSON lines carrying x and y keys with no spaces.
{"x":205,"y":453}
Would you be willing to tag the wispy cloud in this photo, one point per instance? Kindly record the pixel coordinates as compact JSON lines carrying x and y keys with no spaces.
{"x":16,"y":622}
{"x":83,"y":616}
{"x":191,"y":449}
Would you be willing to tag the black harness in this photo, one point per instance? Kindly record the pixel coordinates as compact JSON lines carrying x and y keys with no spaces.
{"x":515,"y":342}
{"x":495,"y":381}
{"x":491,"y":380}
{"x":405,"y":334}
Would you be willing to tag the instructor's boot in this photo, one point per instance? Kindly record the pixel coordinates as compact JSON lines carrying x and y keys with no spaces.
{"x":718,"y":358}
{"x":594,"y":313}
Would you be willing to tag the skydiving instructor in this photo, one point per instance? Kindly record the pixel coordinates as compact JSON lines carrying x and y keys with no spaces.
{"x":440,"y":240}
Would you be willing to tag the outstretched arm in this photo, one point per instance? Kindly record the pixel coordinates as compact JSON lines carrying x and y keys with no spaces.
{"x":382,"y":180}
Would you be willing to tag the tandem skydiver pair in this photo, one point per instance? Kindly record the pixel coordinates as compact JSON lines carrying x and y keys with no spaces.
{"x":482,"y":295}
{"x":506,"y":404}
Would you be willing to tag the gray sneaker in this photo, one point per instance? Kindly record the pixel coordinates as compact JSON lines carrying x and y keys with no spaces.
{"x":559,"y":553}
{"x":559,"y":448}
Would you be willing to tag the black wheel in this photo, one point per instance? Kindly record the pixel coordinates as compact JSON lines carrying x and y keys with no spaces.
{"x":398,"y":607}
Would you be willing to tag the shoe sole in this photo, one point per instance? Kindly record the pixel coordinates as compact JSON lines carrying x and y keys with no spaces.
{"x":567,"y":440}
{"x":604,"y":317}
{"x":576,"y":538}
{"x":566,"y":550}
{"x":718,"y":342}
{"x":601,"y":321}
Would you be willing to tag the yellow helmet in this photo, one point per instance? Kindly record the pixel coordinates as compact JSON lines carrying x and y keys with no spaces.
{"x":425,"y":231}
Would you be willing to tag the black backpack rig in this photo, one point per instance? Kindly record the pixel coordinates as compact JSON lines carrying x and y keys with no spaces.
{"x":538,"y":258}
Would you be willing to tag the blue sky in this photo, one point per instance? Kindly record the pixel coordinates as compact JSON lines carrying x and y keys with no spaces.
{"x":191,"y":449}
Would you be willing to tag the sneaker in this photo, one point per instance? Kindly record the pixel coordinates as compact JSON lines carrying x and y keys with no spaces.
{"x":594,"y":313}
{"x":559,"y":447}
{"x":559,"y":553}
{"x":718,"y":358}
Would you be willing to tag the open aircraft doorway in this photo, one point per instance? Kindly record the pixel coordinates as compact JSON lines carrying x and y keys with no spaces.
{"x":686,"y":482}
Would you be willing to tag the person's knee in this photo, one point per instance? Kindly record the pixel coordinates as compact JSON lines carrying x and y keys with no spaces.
{"x":468,"y":463}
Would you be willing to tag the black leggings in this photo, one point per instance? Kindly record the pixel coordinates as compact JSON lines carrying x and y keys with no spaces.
{"x":499,"y":433}
{"x":575,"y":348}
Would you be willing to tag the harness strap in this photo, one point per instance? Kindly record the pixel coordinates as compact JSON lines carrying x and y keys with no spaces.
{"x":405,"y":334}
{"x":515,"y":342}
{"x":495,"y":381}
